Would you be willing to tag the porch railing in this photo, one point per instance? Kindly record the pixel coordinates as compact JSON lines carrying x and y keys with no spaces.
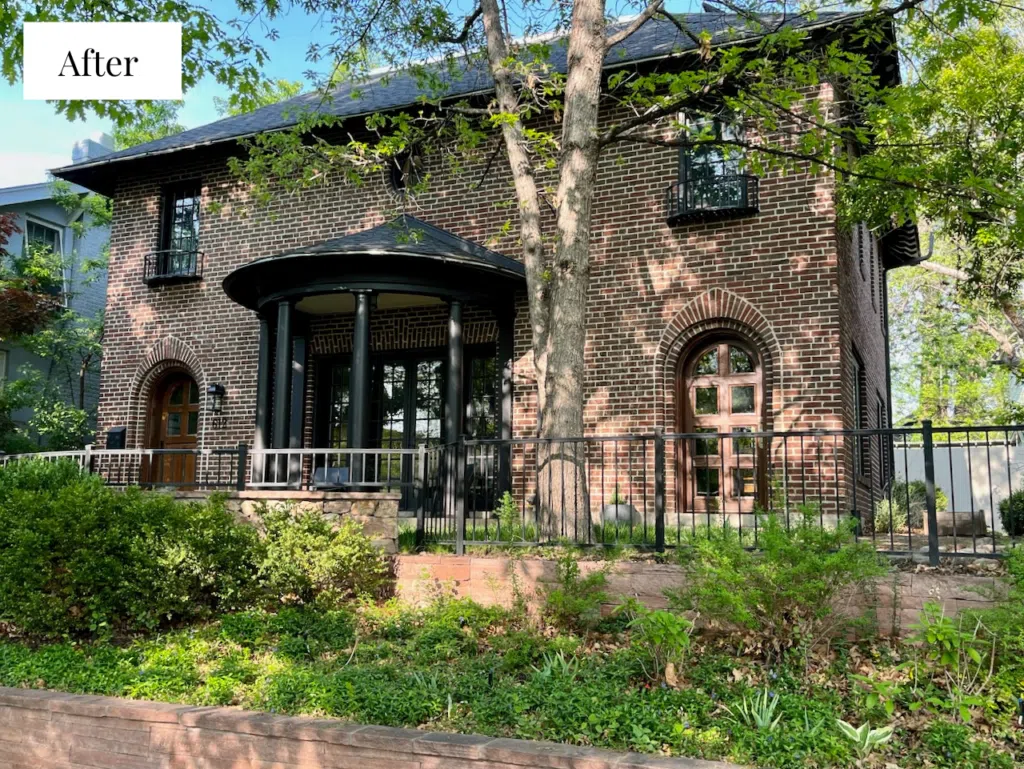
{"x":916,"y":491}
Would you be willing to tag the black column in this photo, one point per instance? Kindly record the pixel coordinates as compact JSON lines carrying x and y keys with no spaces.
{"x":261,"y":439}
{"x":455,"y":502}
{"x":506,"y":354}
{"x":453,"y":413}
{"x":283,"y":375}
{"x":359,"y":378}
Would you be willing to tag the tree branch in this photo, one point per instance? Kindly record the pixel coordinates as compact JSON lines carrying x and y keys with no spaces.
{"x":467,"y":25}
{"x":1011,"y":313}
{"x":652,"y":8}
{"x":944,"y":270}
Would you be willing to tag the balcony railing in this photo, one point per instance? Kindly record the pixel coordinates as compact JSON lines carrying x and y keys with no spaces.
{"x":712,"y":197}
{"x":172,"y":266}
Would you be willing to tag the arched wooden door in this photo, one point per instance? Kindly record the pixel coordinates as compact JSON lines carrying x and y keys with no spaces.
{"x":173,"y":424}
{"x":721,"y":391}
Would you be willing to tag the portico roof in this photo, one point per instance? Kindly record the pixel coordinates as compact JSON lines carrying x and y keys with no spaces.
{"x":405,"y":255}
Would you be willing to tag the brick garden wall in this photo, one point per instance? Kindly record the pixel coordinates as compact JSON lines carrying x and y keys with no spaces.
{"x":66,"y":731}
{"x":489,"y":580}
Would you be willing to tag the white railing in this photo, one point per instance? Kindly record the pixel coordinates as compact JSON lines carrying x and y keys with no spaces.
{"x":351,"y":469}
{"x":190,"y":468}
{"x":78,"y":456}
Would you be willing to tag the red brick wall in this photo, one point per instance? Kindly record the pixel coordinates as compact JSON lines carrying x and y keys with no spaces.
{"x":775,"y":275}
{"x":864,"y":331}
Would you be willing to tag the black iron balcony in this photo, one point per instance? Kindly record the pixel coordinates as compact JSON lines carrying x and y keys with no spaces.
{"x":173,"y":266}
{"x":712,"y":197}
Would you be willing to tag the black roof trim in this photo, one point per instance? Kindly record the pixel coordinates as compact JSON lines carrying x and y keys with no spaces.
{"x":405,"y":255}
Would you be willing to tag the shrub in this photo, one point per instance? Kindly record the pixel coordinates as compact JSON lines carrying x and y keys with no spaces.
{"x":573,"y":602}
{"x":308,"y":561}
{"x":76,"y":556}
{"x":907,"y":503}
{"x":661,"y":637}
{"x":1011,"y":511}
{"x":786,"y":594}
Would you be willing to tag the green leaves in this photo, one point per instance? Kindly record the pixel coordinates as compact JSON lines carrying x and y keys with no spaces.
{"x":864,"y":738}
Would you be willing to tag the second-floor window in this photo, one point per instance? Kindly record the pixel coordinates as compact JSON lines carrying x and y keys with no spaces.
{"x":711,"y":179}
{"x":43,"y":236}
{"x":181,"y":218}
{"x":178,"y":254}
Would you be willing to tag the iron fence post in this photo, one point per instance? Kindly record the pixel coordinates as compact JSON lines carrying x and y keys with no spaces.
{"x":459,"y":500}
{"x":929,"y":485}
{"x":421,"y":534}
{"x":659,"y":491}
{"x":243,"y":452}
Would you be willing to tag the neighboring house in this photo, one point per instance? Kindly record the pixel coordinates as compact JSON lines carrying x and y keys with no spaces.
{"x":718,"y":301}
{"x":44,"y":222}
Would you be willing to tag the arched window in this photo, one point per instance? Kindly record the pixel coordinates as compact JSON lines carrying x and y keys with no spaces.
{"x":721,"y":392}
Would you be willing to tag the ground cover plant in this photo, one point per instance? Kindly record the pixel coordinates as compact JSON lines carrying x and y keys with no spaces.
{"x":707,"y":677}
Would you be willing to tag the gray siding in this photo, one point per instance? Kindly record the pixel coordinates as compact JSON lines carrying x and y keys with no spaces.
{"x":87,"y":294}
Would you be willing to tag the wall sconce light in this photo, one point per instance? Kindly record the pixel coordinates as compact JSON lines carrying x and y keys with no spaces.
{"x":215,"y":398}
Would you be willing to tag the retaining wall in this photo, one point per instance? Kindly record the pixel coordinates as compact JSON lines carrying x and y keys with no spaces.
{"x":67,"y":731}
{"x":898,"y":599}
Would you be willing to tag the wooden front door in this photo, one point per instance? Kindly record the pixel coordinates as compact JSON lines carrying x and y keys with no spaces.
{"x":174,"y":424}
{"x":721,"y":392}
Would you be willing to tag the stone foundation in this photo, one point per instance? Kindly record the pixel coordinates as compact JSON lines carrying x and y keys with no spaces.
{"x":67,"y":731}
{"x":897,"y":601}
{"x":377,"y":511}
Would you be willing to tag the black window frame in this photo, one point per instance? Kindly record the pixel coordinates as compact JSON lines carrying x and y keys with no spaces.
{"x":176,"y":259}
{"x":707,"y":195}
{"x":326,"y":364}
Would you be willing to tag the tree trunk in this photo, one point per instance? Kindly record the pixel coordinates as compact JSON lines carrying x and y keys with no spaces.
{"x":558,"y":291}
{"x":566,"y":509}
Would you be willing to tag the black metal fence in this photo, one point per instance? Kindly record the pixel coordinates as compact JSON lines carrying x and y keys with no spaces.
{"x":916,"y":491}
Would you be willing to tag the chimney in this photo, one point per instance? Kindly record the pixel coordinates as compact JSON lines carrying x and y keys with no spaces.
{"x":96,"y":146}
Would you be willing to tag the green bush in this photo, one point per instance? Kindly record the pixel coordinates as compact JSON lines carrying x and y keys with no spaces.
{"x":77,"y":556}
{"x":1011,"y":511}
{"x":661,"y":637}
{"x":907,"y":503}
{"x":784,"y":596}
{"x":308,"y":561}
{"x":573,"y":602}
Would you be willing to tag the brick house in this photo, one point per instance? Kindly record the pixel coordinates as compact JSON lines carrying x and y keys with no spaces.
{"x":333,"y":317}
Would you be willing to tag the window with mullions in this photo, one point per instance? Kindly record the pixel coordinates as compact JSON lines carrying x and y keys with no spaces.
{"x":711,"y":180}
{"x":482,"y":403}
{"x":179,"y":239}
{"x":43,"y":236}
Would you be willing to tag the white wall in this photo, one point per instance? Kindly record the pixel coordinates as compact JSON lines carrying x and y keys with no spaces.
{"x":982,"y":475}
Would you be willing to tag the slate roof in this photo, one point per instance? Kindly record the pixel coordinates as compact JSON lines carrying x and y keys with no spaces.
{"x":656,"y":39}
{"x":408,"y":235}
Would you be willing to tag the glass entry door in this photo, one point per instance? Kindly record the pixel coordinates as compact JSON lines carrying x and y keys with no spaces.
{"x":406,"y":407}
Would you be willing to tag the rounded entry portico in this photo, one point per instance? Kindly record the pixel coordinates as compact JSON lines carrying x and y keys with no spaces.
{"x":380,"y":398}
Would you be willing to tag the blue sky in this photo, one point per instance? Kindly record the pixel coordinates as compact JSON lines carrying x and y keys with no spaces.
{"x":34,"y":138}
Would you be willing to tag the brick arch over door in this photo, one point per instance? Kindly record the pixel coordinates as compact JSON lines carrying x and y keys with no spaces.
{"x":718,"y":311}
{"x":169,"y":354}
